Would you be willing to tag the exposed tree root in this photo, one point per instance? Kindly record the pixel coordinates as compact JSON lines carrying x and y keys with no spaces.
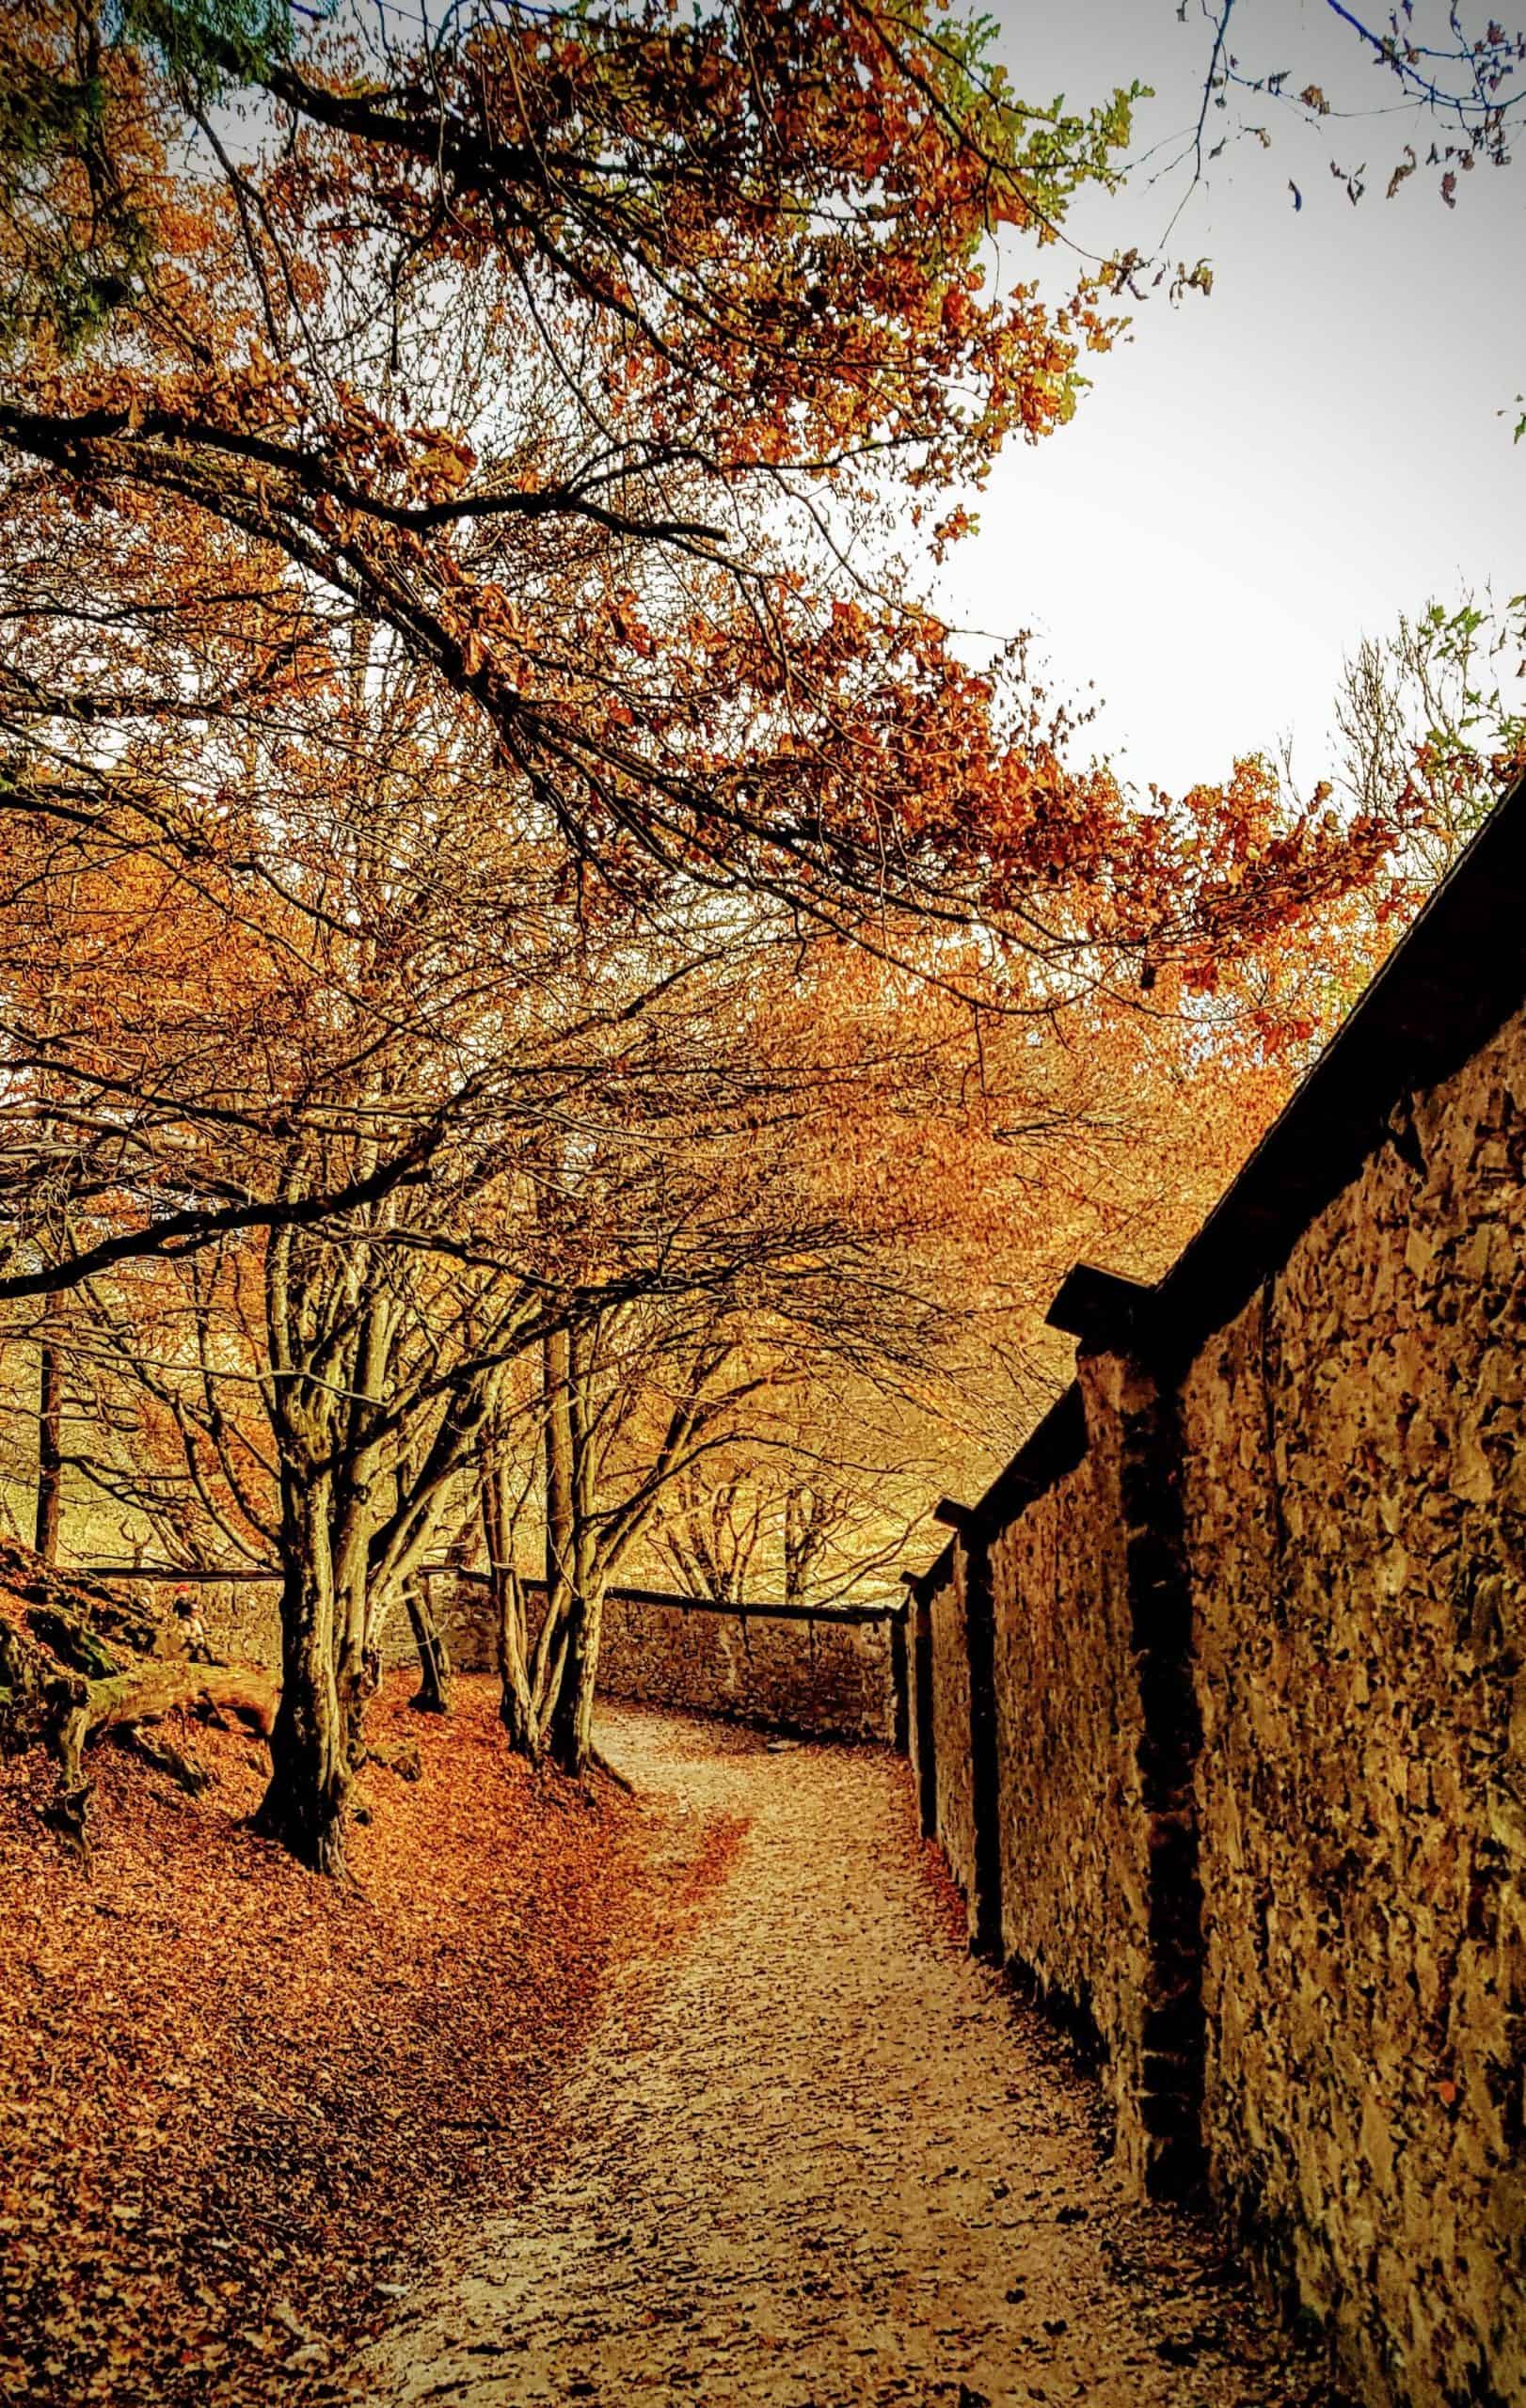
{"x":188,"y":1771}
{"x":611,"y":1772}
{"x":76,"y":1661}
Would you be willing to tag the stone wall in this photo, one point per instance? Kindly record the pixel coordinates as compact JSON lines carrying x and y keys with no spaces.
{"x":1068,"y":1731}
{"x":243,"y":1620}
{"x":954,"y":1781}
{"x":832,"y":1679}
{"x":1261,"y":1725}
{"x":1356,"y":1512}
{"x":825,"y":1677}
{"x":919,"y":1703}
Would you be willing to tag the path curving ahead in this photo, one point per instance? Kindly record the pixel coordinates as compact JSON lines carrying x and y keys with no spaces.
{"x":818,"y":2157}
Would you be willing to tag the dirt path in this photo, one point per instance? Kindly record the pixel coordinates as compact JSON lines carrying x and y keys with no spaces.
{"x":828,"y":2161}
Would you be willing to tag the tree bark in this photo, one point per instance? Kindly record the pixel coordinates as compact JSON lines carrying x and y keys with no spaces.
{"x":560,"y":1536}
{"x":572,"y":1717}
{"x":518,"y":1709}
{"x":519,"y":1697}
{"x":49,"y":1450}
{"x":433,"y":1695}
{"x":303,"y":1808}
{"x":357,"y":1654}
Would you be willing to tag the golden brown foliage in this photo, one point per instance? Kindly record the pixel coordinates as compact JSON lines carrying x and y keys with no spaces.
{"x":232,"y":2095}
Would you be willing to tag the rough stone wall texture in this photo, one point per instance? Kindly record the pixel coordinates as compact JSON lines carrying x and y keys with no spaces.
{"x":831,"y":1678}
{"x":824,"y":1677}
{"x":1073,"y":1857}
{"x":1355,"y":1514}
{"x":955,"y":1781}
{"x":242,"y":1621}
{"x":1261,"y":1722}
{"x":464,"y":1611}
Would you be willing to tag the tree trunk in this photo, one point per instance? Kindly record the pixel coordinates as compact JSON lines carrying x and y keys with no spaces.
{"x":568,"y":1524}
{"x":434,"y":1692}
{"x":572,"y":1717}
{"x":362,"y":1679}
{"x":304,"y":1805}
{"x":519,"y":1707}
{"x":357,"y":1652}
{"x":560,"y":1534}
{"x":49,"y":1450}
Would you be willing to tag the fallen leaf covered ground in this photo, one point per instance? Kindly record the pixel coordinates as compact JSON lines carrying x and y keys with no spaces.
{"x":233,"y":2096}
{"x":826,"y":2159}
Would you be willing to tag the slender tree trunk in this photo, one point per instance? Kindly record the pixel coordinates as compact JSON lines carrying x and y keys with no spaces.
{"x":357,"y":1633}
{"x":518,"y":1710}
{"x":356,"y":1667}
{"x":559,"y":1530}
{"x":559,"y":1649}
{"x":572,"y":1716}
{"x":49,"y":1450}
{"x":519,"y":1707}
{"x":434,"y":1692}
{"x":310,"y":1777}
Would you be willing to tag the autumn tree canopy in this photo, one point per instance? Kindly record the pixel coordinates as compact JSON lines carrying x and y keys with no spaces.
{"x":585,"y":351}
{"x":497,"y":834}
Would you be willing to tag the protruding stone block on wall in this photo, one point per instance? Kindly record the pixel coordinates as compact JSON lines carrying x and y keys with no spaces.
{"x":974,"y":1561}
{"x":954,"y":1793}
{"x":1169,"y":2160}
{"x":922,"y":1743}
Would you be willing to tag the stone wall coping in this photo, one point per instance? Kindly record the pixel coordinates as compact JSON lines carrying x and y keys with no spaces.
{"x":1448,"y":985}
{"x":1448,"y":988}
{"x":1050,"y":1450}
{"x":892,"y":1610}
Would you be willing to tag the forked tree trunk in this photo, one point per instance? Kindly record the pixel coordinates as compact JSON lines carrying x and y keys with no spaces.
{"x":572,"y":1717}
{"x":530,"y":1675}
{"x":50,"y":1428}
{"x":516,"y":1706}
{"x":525,"y":1675}
{"x":303,"y":1808}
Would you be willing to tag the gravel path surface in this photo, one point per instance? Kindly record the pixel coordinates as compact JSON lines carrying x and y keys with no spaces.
{"x":820,"y":2157}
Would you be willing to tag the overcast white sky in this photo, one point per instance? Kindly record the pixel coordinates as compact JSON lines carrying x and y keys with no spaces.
{"x":1259,"y":478}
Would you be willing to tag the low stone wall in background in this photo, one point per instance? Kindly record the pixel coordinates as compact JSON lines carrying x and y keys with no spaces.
{"x":826,"y":1678}
{"x":243,"y":1620}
